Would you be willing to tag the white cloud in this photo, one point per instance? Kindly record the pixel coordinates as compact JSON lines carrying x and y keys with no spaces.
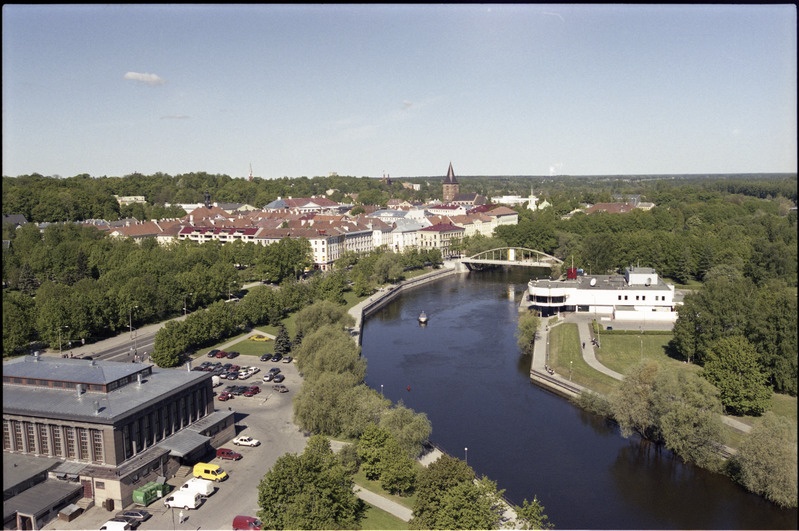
{"x":147,"y":79}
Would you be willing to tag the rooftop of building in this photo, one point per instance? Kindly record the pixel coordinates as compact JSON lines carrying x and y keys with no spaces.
{"x":41,"y":401}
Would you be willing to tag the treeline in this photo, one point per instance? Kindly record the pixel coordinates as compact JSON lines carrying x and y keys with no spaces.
{"x":47,"y":199}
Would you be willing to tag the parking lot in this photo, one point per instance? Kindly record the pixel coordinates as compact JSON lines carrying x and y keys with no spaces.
{"x":267,"y":416}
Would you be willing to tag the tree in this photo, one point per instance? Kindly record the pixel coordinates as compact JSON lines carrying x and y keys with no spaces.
{"x":322,"y":313}
{"x":688,"y":413}
{"x":309,"y":491}
{"x":766,"y":462}
{"x":410,"y":429}
{"x":527,"y":331}
{"x":470,"y":505}
{"x":169,"y":345}
{"x":632,"y":404}
{"x":397,"y":470}
{"x":370,"y":450}
{"x":531,"y":516}
{"x":732,"y":366}
{"x":432,"y":484}
{"x":282,"y":341}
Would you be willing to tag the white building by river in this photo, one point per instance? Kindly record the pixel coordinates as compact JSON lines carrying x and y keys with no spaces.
{"x":637,"y":295}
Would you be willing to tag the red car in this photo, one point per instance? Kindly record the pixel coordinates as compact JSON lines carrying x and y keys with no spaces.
{"x":224,"y":395}
{"x":221,"y":354}
{"x":227,"y":453}
{"x":252,"y":391}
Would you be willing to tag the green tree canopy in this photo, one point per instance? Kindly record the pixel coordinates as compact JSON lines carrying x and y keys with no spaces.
{"x":732,"y":366}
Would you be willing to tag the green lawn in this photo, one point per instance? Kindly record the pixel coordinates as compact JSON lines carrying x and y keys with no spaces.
{"x":565,"y":357}
{"x":379,"y":519}
{"x":374,"y":486}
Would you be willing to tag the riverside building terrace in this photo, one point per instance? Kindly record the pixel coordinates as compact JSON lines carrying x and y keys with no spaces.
{"x":637,"y":295}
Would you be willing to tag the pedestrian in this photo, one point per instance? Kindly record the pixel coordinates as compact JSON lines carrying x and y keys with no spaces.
{"x":180,"y":517}
{"x":583,"y":344}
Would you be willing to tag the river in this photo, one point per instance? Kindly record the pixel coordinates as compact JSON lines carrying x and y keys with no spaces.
{"x":465,"y":372}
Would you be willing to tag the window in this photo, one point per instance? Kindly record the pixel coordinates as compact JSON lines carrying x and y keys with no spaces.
{"x":57,"y":451}
{"x":619,"y":297}
{"x":6,"y":435}
{"x":30,"y":431}
{"x":44,"y":439}
{"x":83,"y":436}
{"x":97,"y":449}
{"x":70,"y":436}
{"x":636,"y":297}
{"x":99,"y":485}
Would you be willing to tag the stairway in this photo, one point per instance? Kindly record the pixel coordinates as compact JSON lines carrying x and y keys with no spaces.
{"x":85,"y":504}
{"x":183,"y":471}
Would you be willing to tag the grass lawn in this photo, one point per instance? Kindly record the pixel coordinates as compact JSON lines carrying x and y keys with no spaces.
{"x":379,"y":519}
{"x":567,"y":360}
{"x":374,"y":486}
{"x":621,"y":352}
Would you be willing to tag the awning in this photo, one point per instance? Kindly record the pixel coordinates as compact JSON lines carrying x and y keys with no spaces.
{"x":183,"y":443}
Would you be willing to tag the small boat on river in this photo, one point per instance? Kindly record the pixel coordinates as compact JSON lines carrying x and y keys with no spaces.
{"x":423,"y":317}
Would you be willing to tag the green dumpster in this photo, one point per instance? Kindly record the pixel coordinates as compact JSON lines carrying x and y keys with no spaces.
{"x":146,"y":494}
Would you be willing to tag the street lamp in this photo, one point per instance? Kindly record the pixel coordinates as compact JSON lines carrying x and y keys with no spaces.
{"x":185,"y":307}
{"x":130,"y":320}
{"x":571,"y":365}
{"x":60,"y":352}
{"x":381,"y":390}
{"x":466,"y":450}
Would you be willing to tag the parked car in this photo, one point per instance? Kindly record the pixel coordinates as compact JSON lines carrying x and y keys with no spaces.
{"x":266,"y":357}
{"x":252,"y":390}
{"x":137,"y":514}
{"x":227,"y":453}
{"x":278,"y":378}
{"x":274,"y":370}
{"x":116,"y":524}
{"x":253,"y":370}
{"x":239,"y":390}
{"x":287,"y":359}
{"x":243,"y":375}
{"x":268,"y":377}
{"x":244,"y":440}
{"x":221,"y":354}
{"x":277,"y":357}
{"x":213,"y":353}
{"x":232,"y":354}
{"x":224,"y":396}
{"x":244,"y":523}
{"x":280,"y":388}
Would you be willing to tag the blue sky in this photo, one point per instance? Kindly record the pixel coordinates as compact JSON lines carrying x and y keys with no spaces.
{"x":364,"y":90}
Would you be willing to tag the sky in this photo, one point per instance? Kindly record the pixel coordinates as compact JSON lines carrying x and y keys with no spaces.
{"x":399,"y":89}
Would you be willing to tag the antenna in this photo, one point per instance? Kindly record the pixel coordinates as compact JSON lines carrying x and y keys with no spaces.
{"x":250,"y":171}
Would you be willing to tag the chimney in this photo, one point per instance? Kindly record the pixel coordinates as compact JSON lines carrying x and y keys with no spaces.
{"x":36,"y":356}
{"x":138,"y":378}
{"x":96,"y":407}
{"x":79,"y":389}
{"x":188,"y":366}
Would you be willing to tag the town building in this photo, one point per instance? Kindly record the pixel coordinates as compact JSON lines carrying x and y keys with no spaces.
{"x":92,"y":431}
{"x":639,"y":294}
{"x":450,"y":185}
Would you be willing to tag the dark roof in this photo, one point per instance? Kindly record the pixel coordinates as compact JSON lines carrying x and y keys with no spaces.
{"x":96,"y":407}
{"x":14,"y":219}
{"x":69,"y":369}
{"x":18,"y":468}
{"x":443,"y":227}
{"x":38,"y":499}
{"x":450,"y":178}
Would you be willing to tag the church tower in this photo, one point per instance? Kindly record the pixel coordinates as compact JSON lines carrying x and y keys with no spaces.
{"x":450,"y":185}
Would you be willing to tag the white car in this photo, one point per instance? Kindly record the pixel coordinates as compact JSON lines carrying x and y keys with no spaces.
{"x":243,"y":440}
{"x":253,"y":370}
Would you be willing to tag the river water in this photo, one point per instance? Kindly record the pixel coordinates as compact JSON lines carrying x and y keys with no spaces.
{"x":465,"y":372}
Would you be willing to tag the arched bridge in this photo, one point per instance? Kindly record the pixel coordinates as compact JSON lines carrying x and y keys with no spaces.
{"x":510,"y":256}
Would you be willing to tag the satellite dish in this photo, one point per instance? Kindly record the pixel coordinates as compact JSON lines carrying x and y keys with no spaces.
{"x":593,"y":282}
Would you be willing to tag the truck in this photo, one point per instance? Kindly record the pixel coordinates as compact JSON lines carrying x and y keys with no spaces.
{"x":183,"y":500}
{"x":216,"y":381}
{"x":201,"y":486}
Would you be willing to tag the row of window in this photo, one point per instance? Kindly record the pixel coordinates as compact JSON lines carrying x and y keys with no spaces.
{"x":643,"y":297}
{"x":83,"y":444}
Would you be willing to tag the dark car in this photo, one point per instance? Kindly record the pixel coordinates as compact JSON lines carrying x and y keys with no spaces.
{"x":266,"y":357}
{"x":213,"y":353}
{"x":227,"y":453}
{"x":232,"y":354}
{"x":277,"y":357}
{"x":239,"y":390}
{"x":278,"y":378}
{"x":274,"y":370}
{"x":135,"y":514}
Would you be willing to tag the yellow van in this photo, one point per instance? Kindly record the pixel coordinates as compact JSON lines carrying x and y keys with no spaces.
{"x":209,"y":471}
